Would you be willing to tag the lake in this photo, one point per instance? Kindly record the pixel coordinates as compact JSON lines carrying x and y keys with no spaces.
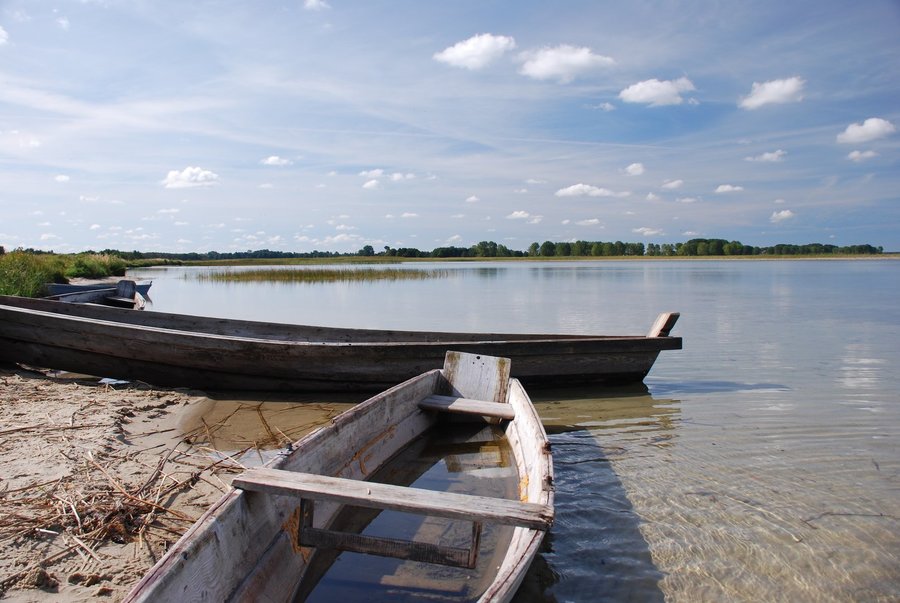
{"x":761,"y":462}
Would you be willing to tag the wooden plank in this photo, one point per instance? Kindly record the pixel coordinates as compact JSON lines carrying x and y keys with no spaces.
{"x":397,"y":498}
{"x":477,"y":376}
{"x":389,"y":547}
{"x":664,"y":323}
{"x":500,"y":410}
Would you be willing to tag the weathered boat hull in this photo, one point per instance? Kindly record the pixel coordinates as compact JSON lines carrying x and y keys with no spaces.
{"x":211,"y":353}
{"x":249,"y":546}
{"x":54,"y":289}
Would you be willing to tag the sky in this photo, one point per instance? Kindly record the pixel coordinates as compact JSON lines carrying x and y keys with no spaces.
{"x":332,"y":124}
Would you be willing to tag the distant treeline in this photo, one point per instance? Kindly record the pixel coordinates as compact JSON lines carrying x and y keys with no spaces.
{"x":490,"y":249}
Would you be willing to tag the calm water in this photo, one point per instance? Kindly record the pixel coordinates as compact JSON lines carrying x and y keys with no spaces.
{"x":762,"y":462}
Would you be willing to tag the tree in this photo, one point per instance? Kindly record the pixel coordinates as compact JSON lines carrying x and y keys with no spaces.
{"x":548,"y":249}
{"x":563,"y":249}
{"x":367,"y":250}
{"x":534,"y":249}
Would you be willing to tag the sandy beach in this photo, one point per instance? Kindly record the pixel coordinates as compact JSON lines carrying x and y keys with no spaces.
{"x":97,"y":480}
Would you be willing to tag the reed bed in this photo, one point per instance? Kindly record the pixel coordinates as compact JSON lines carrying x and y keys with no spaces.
{"x":319,"y":275}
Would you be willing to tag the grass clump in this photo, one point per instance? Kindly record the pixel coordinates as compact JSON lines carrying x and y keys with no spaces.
{"x":319,"y":275}
{"x":27,"y":274}
{"x":95,"y":265}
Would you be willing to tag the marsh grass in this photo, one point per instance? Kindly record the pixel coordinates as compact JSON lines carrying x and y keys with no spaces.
{"x":27,"y":274}
{"x":319,"y":275}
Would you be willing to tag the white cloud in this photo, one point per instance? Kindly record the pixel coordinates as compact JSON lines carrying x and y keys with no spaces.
{"x":687,"y":199}
{"x":871,"y":129}
{"x":345,"y":227}
{"x":562,"y":63}
{"x":371,"y":184}
{"x":859,"y":156}
{"x":408,"y":214}
{"x":171,"y":210}
{"x":769,"y":157}
{"x":376,"y":173}
{"x":315,"y":4}
{"x":535,"y":181}
{"x":48,"y":236}
{"x":789,"y":90}
{"x":728,"y":188}
{"x":521,"y":191}
{"x":476,"y":52}
{"x":94,"y":227}
{"x":781,"y":216}
{"x":398,"y":177}
{"x":190,"y":177}
{"x":276,"y":161}
{"x":518,"y":215}
{"x":454,"y":239}
{"x":582,"y":190}
{"x":4,"y":37}
{"x":588,"y":222}
{"x":780,"y":201}
{"x":653,"y":197}
{"x":635,"y":169}
{"x":657,"y":93}
{"x":61,"y":178}
{"x":603,"y":107}
{"x":63,"y":22}
{"x":672,"y":184}
{"x":472,"y":199}
{"x":535,"y":219}
{"x":647,"y":231}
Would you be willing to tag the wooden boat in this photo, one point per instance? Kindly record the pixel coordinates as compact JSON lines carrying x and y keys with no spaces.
{"x":267,"y":538}
{"x":125,"y":294}
{"x":214,"y":353}
{"x":54,"y":289}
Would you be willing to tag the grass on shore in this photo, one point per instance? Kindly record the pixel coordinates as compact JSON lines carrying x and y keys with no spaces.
{"x":319,"y":275}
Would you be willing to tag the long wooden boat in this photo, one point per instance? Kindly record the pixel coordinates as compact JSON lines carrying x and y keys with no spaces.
{"x":270,"y":536}
{"x":124,"y":294}
{"x":214,"y":353}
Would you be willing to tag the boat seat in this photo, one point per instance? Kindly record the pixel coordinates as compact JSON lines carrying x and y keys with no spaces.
{"x":311,"y":487}
{"x":498,"y":410}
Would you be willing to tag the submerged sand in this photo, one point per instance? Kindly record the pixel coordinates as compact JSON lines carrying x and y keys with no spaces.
{"x":97,"y":480}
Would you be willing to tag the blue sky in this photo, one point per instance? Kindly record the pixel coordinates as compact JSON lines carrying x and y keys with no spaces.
{"x":329,"y":125}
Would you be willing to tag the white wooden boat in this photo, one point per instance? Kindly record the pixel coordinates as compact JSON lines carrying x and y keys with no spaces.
{"x":264,"y":539}
{"x":223,"y":354}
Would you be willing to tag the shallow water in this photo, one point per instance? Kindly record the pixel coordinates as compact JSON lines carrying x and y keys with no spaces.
{"x":762,"y":462}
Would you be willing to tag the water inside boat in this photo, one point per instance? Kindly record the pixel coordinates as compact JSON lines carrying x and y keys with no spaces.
{"x":458,"y":457}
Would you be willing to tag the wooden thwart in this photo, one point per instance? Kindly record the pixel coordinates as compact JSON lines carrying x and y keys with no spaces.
{"x":397,"y":498}
{"x":477,"y":509}
{"x":665,"y":322}
{"x":499,"y":410}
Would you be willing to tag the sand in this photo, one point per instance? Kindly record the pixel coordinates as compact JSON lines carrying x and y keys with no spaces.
{"x":96,"y":481}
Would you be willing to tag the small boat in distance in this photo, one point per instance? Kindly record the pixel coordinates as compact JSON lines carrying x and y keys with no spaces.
{"x":124,"y":294}
{"x":54,"y":289}
{"x":179,"y":350}
{"x":277,"y":531}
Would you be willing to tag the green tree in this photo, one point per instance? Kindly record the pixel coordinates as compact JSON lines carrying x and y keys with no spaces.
{"x":548,"y":249}
{"x":534,"y":249}
{"x":367,"y":250}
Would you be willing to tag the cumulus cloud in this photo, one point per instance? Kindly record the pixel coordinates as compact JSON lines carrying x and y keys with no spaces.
{"x":586,"y":190}
{"x":789,"y":90}
{"x":728,"y":188}
{"x":607,"y":107}
{"x":687,"y":199}
{"x":588,"y":222}
{"x":653,"y":197}
{"x":4,"y":37}
{"x":769,"y":157}
{"x":781,"y":216}
{"x":477,"y":52}
{"x":315,"y":4}
{"x":518,"y":215}
{"x":672,"y":184}
{"x":276,"y":161}
{"x":61,"y":178}
{"x":472,"y":199}
{"x":408,"y":214}
{"x":635,"y":169}
{"x":63,"y":23}
{"x":563,"y":63}
{"x":376,"y":173}
{"x":399,"y":177}
{"x":171,"y":210}
{"x":371,"y":184}
{"x":859,"y":156}
{"x":647,"y":231}
{"x":871,"y":129}
{"x":190,"y":177}
{"x":657,"y":93}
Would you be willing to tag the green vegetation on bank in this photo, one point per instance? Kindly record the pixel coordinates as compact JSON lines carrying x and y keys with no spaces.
{"x":26,"y":271}
{"x":319,"y":275}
